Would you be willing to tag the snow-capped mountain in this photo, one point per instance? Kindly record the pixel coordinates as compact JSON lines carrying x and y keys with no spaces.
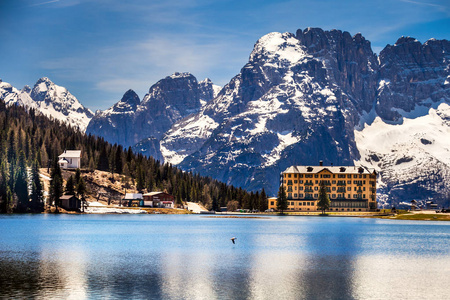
{"x":324,"y":95}
{"x":130,"y":122}
{"x":51,"y":100}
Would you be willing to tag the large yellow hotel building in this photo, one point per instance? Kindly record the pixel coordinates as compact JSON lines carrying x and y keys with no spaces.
{"x":349,"y":188}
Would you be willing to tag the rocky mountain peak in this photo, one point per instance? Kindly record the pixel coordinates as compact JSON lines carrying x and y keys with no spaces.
{"x":405,"y":40}
{"x":51,"y":100}
{"x":280,"y":48}
{"x":26,"y":89}
{"x":129,"y":102}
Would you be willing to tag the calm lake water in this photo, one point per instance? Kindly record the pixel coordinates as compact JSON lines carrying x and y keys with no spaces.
{"x":192,"y":257}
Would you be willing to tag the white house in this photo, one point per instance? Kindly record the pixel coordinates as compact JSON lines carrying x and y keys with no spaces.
{"x":70,"y":159}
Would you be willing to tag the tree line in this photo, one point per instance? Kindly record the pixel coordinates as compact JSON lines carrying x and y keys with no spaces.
{"x":30,"y":140}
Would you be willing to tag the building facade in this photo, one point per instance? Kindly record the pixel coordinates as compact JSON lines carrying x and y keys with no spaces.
{"x":349,"y":188}
{"x":159,"y":199}
{"x":70,"y":159}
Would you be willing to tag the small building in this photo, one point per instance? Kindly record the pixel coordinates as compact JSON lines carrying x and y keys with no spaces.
{"x":70,"y":159}
{"x":159,"y":199}
{"x":133,"y":200}
{"x":70,"y":202}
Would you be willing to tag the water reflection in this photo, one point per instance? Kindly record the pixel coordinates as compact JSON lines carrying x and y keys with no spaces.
{"x":187,"y":257}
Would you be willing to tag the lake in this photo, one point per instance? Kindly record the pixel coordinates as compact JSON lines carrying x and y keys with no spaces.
{"x":192,"y":257}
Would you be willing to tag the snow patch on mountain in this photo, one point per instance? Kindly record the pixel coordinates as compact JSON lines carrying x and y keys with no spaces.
{"x":417,"y":151}
{"x":51,"y":100}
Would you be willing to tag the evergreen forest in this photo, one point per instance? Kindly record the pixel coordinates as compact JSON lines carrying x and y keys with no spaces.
{"x":30,"y":141}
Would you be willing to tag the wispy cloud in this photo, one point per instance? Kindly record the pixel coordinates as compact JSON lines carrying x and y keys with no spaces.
{"x":440,"y":7}
{"x":43,"y":3}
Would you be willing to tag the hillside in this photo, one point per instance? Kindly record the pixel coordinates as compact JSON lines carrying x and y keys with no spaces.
{"x":31,"y":140}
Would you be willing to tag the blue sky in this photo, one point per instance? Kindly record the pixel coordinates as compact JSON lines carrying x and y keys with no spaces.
{"x":99,"y":49}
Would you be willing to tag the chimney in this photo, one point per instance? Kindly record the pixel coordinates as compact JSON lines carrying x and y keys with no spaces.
{"x":321,"y":163}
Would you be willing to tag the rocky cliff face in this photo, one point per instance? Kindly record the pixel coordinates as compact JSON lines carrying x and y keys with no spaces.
{"x":51,"y":100}
{"x":292,"y":103}
{"x":303,"y":98}
{"x":130,"y":121}
{"x":412,"y":74}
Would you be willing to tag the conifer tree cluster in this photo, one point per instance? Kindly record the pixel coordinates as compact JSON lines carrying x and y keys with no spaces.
{"x":29,"y":140}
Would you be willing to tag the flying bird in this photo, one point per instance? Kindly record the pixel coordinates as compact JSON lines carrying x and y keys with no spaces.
{"x":232,"y":239}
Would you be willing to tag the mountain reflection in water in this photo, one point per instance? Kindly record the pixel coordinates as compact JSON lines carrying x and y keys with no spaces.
{"x":189,"y":257}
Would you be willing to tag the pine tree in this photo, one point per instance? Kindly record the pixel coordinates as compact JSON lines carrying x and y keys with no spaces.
{"x":56,"y":184}
{"x":282,"y":203}
{"x":70,"y":190}
{"x":36,"y":195}
{"x":21,"y":183}
{"x":81,"y":188}
{"x":324,"y":201}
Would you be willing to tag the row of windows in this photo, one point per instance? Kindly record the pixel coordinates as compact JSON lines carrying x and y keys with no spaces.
{"x":333,"y":196}
{"x":360,"y":182}
{"x":316,"y":188}
{"x":303,"y":203}
{"x":331,"y":209}
{"x":295,"y":175}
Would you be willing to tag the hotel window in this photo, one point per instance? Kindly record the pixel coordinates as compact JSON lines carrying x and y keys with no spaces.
{"x":295,"y":181}
{"x":355,"y":196}
{"x":292,"y":203}
{"x":349,"y":196}
{"x":316,"y":188}
{"x":349,"y":176}
{"x":355,"y":176}
{"x":334,"y":188}
{"x":349,"y":182}
{"x":295,"y":195}
{"x":301,"y":196}
{"x":300,"y":188}
{"x":316,"y":195}
{"x":272,"y":203}
{"x":301,"y":176}
{"x":334,"y":195}
{"x":334,"y":181}
{"x":304,"y":203}
{"x":301,"y":181}
{"x":349,"y":188}
{"x":317,"y":181}
{"x":295,"y":175}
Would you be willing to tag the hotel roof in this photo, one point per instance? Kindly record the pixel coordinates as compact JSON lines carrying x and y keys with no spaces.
{"x":332,"y":169}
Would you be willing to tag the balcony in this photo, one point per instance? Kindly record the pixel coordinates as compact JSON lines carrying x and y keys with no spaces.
{"x":308,"y":190}
{"x":359,"y":183}
{"x":341,"y":190}
{"x":359,"y":191}
{"x":341,"y":183}
{"x":309,"y":183}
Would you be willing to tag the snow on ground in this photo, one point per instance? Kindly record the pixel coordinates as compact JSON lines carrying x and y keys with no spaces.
{"x":195,"y":207}
{"x":100,"y":208}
